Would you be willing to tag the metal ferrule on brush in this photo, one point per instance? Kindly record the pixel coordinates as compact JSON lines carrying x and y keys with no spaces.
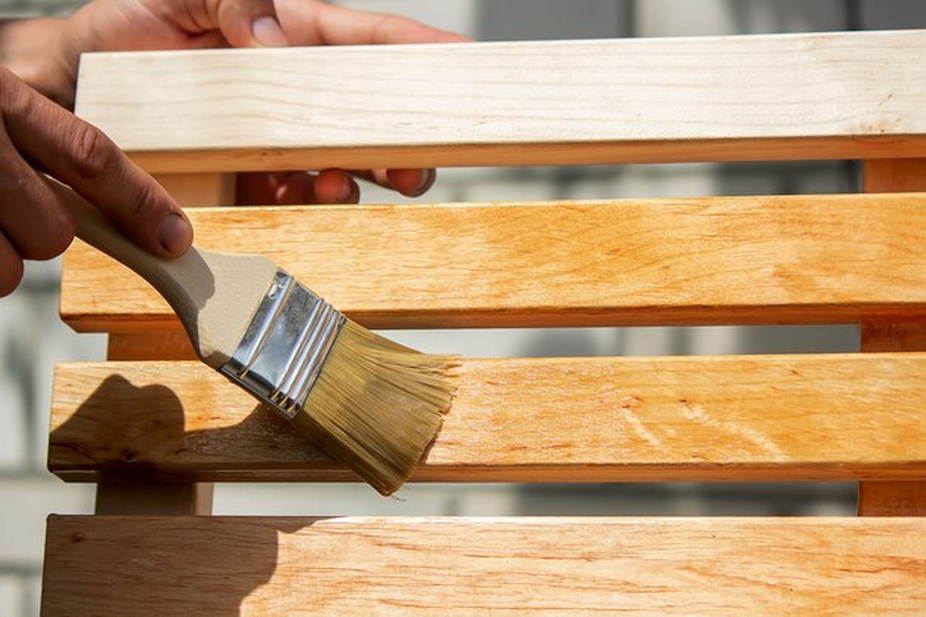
{"x":285,"y":346}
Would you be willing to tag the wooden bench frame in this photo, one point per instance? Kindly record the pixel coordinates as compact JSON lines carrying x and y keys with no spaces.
{"x":154,"y":430}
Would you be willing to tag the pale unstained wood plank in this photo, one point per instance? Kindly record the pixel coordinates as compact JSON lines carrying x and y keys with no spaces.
{"x":893,"y":498}
{"x":830,"y":95}
{"x":826,"y":417}
{"x":461,"y":567}
{"x":783,"y":259}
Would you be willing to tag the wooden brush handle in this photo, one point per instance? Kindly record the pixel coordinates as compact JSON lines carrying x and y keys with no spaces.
{"x":183,"y":282}
{"x":214,"y":295}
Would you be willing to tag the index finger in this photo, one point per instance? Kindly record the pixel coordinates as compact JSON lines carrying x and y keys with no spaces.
{"x":82,"y":156}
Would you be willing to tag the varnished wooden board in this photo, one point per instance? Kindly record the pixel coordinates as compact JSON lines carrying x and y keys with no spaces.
{"x":805,"y":417}
{"x":463,"y":567}
{"x":816,"y":96}
{"x":893,"y":498}
{"x":782,"y":259}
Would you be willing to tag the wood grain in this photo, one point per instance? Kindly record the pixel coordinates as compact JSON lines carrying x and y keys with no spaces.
{"x":893,"y":498}
{"x":823,"y":96}
{"x":806,"y":417}
{"x":464,"y":567}
{"x":782,"y":259}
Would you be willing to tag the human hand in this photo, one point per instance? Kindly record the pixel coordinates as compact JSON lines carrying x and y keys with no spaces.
{"x":35,"y":223}
{"x":111,"y":25}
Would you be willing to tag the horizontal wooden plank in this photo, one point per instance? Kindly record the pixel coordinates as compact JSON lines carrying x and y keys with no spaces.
{"x":806,"y":96}
{"x":464,"y":567}
{"x":782,"y":259}
{"x":804,"y":417}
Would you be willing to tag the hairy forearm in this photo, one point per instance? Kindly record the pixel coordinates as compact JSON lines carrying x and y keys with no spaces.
{"x":41,"y":52}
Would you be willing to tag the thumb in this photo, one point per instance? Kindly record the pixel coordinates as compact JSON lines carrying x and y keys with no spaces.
{"x":249,"y":23}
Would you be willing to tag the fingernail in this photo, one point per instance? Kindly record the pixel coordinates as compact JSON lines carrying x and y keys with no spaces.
{"x":427,"y":180}
{"x":267,"y":32}
{"x":176,"y":234}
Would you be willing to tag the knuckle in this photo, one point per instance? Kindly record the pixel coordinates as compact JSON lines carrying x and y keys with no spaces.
{"x":145,"y":203}
{"x":14,"y":96}
{"x":141,"y":219}
{"x":35,"y":225}
{"x":8,"y":81}
{"x":91,"y":151}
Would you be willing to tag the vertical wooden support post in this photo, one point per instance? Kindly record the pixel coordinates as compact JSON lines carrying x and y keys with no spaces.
{"x":191,"y":190}
{"x":893,"y":498}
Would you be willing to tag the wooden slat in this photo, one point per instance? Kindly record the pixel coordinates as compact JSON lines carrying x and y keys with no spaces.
{"x":461,"y":567}
{"x":826,"y":417}
{"x":782,"y":259}
{"x":832,"y":95}
{"x":893,"y":498}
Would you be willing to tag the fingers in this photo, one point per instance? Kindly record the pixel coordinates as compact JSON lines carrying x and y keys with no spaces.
{"x":32,"y":218}
{"x":33,"y":223}
{"x":408,"y":182}
{"x":11,"y":267}
{"x":248,"y":23}
{"x":336,"y":186}
{"x":331,"y":186}
{"x":78,"y":154}
{"x":307,"y":22}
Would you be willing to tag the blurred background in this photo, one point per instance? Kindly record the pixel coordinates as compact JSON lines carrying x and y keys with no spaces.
{"x":32,"y":338}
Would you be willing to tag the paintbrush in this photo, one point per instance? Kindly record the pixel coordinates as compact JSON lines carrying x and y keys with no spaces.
{"x":363,"y":399}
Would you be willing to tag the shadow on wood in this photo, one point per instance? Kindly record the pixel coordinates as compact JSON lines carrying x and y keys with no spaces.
{"x":166,"y":562}
{"x":140,"y":434}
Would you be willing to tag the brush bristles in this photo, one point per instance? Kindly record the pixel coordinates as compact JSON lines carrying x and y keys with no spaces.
{"x":377,"y":405}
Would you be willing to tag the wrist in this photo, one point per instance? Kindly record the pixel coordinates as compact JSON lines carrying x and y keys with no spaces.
{"x":43,"y":54}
